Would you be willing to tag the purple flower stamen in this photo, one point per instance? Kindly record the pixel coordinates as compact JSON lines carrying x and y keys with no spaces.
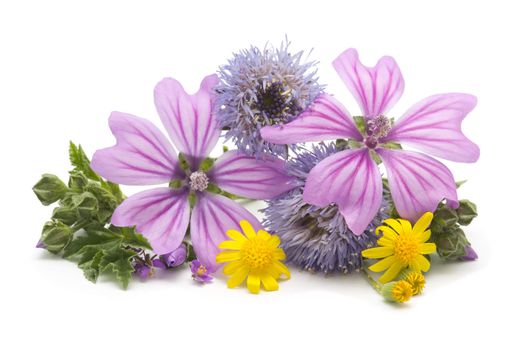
{"x":198,"y":181}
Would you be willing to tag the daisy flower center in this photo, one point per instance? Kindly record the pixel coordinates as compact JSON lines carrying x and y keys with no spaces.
{"x":257,"y":254}
{"x":198,"y":181}
{"x":275,"y":102}
{"x":406,"y":248}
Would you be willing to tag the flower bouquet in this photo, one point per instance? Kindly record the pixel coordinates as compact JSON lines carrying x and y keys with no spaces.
{"x":343,"y":193}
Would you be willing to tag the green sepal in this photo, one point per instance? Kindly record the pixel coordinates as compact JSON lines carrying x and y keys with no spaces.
{"x":175,"y":183}
{"x":206,"y":164}
{"x":183,"y":163}
{"x":391,"y":145}
{"x":360,"y":123}
{"x":375,"y":157}
{"x":225,"y":149}
{"x":467,"y":211}
{"x":50,"y":189}
{"x":192,"y":199}
{"x":56,"y":235}
{"x":107,"y":202}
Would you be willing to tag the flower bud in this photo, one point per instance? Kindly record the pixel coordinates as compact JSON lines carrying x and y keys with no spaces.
{"x":49,"y":189}
{"x":55,"y":236}
{"x":397,"y":291}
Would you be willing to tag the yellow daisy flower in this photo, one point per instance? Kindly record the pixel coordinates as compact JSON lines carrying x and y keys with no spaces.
{"x":401,"y":246}
{"x":254,"y":257}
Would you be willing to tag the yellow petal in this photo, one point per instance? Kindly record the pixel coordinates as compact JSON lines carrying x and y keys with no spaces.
{"x":406,"y":225}
{"x":253,"y":283}
{"x":274,"y":241}
{"x":423,"y":263}
{"x":238,"y":277}
{"x":392,"y":272}
{"x":282,"y":269}
{"x":279,"y":254}
{"x":423,"y":237}
{"x":247,"y":228}
{"x":269,"y":283}
{"x":383,"y":264}
{"x":227,"y":256}
{"x":423,"y":222}
{"x":426,"y":248}
{"x":377,"y":252}
{"x":394,"y":224}
{"x":385,"y":242}
{"x":263,"y":234}
{"x":236,"y":235}
{"x":233,"y":245}
{"x":387,"y":232}
{"x":232,"y":267}
{"x":414,"y":265}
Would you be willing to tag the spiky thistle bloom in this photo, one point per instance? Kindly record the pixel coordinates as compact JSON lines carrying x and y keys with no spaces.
{"x":314,"y":238}
{"x":260,"y":88}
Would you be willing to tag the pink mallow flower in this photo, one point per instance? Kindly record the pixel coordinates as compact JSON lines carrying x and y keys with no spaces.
{"x":144,"y":156}
{"x":351,"y":178}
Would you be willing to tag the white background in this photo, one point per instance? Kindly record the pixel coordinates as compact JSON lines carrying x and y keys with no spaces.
{"x":64,"y":66}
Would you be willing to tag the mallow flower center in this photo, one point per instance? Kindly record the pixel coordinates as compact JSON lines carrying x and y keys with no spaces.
{"x":199,"y":181}
{"x":275,"y":102}
{"x":376,"y":128}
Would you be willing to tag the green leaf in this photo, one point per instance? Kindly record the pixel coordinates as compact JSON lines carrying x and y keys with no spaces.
{"x":119,"y":261}
{"x":467,"y":211}
{"x":100,"y":239}
{"x":81,"y":162}
{"x":134,"y":239}
{"x":90,"y":263}
{"x":460,"y":183}
{"x":56,"y":235}
{"x":50,"y":189}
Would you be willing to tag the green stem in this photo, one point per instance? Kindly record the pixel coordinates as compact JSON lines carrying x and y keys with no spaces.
{"x":372,"y":281}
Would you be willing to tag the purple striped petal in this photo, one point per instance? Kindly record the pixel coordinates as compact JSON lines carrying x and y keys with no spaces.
{"x":246,"y":176}
{"x":188,"y":118}
{"x":376,"y":89}
{"x":161,"y":215}
{"x":212,"y":216}
{"x":324,"y":119}
{"x":351,"y":179}
{"x":433,"y":125}
{"x":142,"y":155}
{"x":418,"y":183}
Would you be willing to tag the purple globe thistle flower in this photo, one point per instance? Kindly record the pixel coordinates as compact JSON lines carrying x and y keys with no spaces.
{"x":260,"y":88}
{"x":199,"y":272}
{"x":317,"y":238}
{"x":350,"y":178}
{"x":144,"y":156}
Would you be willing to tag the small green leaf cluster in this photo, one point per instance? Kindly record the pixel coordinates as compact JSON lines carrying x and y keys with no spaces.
{"x":79,"y":227}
